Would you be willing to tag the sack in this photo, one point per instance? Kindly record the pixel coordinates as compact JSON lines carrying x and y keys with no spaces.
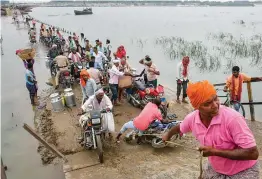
{"x":125,"y":81}
{"x":108,"y":122}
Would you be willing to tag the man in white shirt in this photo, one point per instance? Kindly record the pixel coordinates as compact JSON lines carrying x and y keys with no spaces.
{"x":95,"y":73}
{"x":108,"y":49}
{"x":82,"y":41}
{"x":99,"y":101}
{"x":151,"y":71}
{"x":182,"y":78}
{"x":114,"y":74}
{"x":99,"y":56}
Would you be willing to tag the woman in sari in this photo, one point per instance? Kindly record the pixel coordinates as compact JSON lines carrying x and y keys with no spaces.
{"x":121,"y":52}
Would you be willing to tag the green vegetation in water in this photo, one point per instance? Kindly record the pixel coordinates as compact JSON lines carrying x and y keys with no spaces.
{"x":207,"y":58}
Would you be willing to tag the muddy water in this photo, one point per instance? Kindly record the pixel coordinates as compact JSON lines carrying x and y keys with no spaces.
{"x":19,"y":149}
{"x":138,"y":28}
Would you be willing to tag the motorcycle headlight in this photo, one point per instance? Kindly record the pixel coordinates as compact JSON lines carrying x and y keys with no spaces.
{"x":96,"y":121}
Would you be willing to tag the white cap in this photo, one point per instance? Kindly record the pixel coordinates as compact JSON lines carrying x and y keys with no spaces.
{"x":116,"y":60}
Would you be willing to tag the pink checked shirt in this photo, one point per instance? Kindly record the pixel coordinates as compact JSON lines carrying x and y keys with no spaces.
{"x":227,"y":130}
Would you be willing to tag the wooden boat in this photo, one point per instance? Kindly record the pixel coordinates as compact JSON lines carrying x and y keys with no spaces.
{"x":85,"y":11}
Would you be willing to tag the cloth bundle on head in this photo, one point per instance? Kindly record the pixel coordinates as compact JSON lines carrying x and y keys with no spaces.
{"x":99,"y":91}
{"x":200,"y":92}
{"x":83,"y":73}
{"x":147,"y":60}
{"x":185,"y":63}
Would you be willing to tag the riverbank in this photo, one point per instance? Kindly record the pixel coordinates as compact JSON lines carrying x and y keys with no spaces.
{"x":124,"y":160}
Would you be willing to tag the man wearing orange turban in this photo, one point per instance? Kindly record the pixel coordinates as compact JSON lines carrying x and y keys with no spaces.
{"x":222,"y":133}
{"x":200,"y":92}
{"x":88,"y":85}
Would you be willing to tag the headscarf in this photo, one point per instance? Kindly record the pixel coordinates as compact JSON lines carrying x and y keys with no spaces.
{"x":121,"y":52}
{"x":147,"y":60}
{"x":83,"y":73}
{"x":200,"y":92}
{"x":99,"y":91}
{"x":185,"y":63}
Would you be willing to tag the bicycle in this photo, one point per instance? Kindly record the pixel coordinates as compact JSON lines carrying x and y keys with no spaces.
{"x":230,"y":103}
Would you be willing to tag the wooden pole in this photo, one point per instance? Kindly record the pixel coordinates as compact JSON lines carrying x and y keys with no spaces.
{"x":3,"y":174}
{"x":250,"y":99}
{"x":45,"y":143}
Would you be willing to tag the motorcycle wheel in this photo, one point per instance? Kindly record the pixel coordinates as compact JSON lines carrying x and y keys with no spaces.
{"x":128,"y":139}
{"x":99,"y":148}
{"x":158,"y":143}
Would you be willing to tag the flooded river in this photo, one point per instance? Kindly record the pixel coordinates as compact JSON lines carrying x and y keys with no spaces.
{"x":142,"y":30}
{"x":19,"y":148}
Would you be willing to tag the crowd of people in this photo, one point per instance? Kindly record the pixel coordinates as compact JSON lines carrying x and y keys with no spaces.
{"x":223,"y":133}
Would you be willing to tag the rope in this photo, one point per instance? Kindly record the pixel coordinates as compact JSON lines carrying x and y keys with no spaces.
{"x":200,"y":157}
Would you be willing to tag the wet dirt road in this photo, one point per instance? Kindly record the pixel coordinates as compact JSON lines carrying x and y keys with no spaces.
{"x":19,"y":149}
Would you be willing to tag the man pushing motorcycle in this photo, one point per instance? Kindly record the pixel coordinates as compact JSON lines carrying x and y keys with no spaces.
{"x":62,"y":64}
{"x":149,"y":114}
{"x":98,"y":102}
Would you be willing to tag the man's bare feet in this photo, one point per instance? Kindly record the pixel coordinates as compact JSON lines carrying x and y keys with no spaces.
{"x":178,"y":101}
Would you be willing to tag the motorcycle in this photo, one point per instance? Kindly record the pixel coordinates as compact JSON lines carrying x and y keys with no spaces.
{"x":77,"y":67}
{"x":65,"y":79}
{"x":153,"y":134}
{"x":141,"y":93}
{"x":93,"y":131}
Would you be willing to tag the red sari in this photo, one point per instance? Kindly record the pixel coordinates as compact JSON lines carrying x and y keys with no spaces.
{"x":121,"y":52}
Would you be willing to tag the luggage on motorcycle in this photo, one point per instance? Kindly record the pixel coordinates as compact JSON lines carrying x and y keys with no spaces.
{"x":26,"y":54}
{"x":108,"y":122}
{"x":140,"y":85}
{"x":125,"y":82}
